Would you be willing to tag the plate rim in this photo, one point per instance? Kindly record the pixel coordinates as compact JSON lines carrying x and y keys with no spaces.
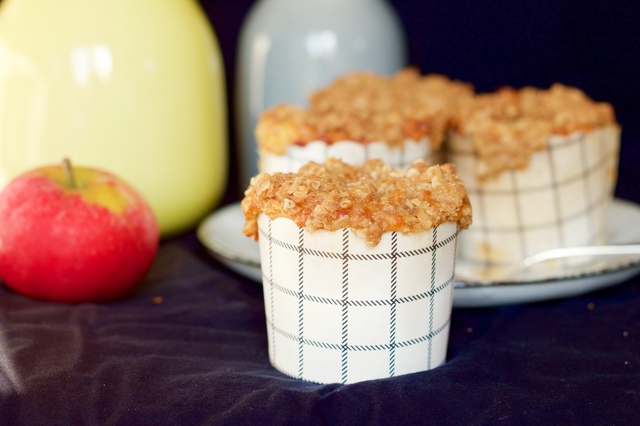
{"x":607,"y":270}
{"x":225,"y":254}
{"x":211,"y":246}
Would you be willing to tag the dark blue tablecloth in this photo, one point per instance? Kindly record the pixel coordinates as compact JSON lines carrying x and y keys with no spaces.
{"x":190,"y":347}
{"x":200,"y":357}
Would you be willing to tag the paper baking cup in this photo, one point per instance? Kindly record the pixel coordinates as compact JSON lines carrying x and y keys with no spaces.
{"x":560,"y":200}
{"x":338,"y":311}
{"x":350,"y":152}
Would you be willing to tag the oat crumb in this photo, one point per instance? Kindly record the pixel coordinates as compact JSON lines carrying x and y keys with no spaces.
{"x":370,"y":199}
{"x":157,"y":300}
{"x":509,"y":125}
{"x":591,"y":306}
{"x":363,"y":106}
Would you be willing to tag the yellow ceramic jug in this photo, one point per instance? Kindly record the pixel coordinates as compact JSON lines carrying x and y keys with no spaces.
{"x":136,"y":87}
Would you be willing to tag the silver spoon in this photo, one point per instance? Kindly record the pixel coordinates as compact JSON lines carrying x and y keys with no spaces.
{"x":501,"y":272}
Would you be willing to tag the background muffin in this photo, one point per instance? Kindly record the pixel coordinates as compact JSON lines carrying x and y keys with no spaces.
{"x":362,"y":115}
{"x":540,"y":167}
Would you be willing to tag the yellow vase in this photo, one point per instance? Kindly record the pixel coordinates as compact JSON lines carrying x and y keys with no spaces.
{"x":136,"y":87}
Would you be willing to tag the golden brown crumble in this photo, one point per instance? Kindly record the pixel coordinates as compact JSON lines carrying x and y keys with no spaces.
{"x":366,"y":107}
{"x":370,"y":199}
{"x":509,"y":125}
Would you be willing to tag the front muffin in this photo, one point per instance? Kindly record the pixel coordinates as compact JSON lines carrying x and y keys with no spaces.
{"x":358,"y":266}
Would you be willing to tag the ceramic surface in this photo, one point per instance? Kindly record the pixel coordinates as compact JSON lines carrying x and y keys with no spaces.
{"x":288,"y":48}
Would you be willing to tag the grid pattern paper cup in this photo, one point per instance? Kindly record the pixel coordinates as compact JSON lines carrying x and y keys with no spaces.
{"x":357,"y":265}
{"x":340,"y":311}
{"x":348,"y":151}
{"x":559,"y":200}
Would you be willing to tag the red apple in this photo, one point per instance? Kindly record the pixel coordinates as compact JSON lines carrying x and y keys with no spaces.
{"x":74,"y":234}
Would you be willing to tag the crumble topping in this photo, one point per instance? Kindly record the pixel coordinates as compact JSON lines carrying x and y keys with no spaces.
{"x":509,"y":125}
{"x":370,"y":199}
{"x":366,"y":107}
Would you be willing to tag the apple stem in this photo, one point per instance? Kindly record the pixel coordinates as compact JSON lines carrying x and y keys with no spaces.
{"x":68,"y":172}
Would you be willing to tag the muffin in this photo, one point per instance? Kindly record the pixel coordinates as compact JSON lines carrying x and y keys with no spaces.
{"x":357,"y":265}
{"x":540,"y":167}
{"x":362,"y":115}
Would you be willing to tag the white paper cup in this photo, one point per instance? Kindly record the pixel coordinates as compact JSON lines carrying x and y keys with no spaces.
{"x":560,"y":200}
{"x":354,"y":153}
{"x":339,"y":311}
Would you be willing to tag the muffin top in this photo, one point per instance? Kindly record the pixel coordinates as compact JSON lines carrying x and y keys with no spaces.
{"x":509,"y":125}
{"x":366,"y":107}
{"x":370,"y":199}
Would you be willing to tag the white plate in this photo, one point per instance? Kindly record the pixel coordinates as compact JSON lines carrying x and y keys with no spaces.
{"x":221,"y":233}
